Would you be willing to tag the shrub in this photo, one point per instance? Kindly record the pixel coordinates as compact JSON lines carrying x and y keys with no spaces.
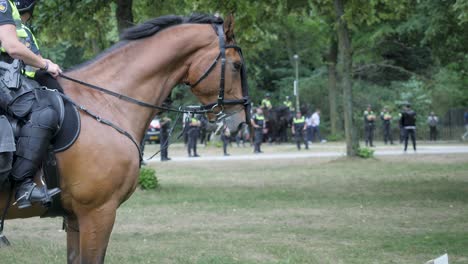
{"x":335,"y":137}
{"x":365,"y":153}
{"x":147,"y":179}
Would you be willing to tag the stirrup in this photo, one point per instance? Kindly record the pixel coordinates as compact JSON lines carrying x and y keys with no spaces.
{"x":36,"y":194}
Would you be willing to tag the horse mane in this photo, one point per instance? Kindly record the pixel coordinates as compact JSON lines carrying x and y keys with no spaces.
{"x":153,"y":26}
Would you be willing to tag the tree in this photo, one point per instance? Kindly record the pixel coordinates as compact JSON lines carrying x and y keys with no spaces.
{"x":124,"y":14}
{"x":344,"y":41}
{"x":332,"y":61}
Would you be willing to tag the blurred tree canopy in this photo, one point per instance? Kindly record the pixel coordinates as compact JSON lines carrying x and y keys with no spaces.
{"x":410,"y":50}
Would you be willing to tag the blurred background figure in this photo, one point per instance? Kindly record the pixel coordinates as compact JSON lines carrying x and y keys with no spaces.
{"x":165,"y":123}
{"x":185,"y":119}
{"x":369,"y":125}
{"x":266,"y":102}
{"x":193,"y":132}
{"x":408,"y":122}
{"x":432,"y":121}
{"x":465,"y":117}
{"x":298,"y":129}
{"x":243,"y":135}
{"x":258,"y":123}
{"x":386,"y":118}
{"x":225,"y":137}
{"x":289,"y":104}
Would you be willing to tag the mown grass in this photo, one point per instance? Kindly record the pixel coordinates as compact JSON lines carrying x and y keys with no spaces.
{"x":392,"y":210}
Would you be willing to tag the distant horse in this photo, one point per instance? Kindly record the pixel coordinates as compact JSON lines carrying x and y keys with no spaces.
{"x":278,"y":120}
{"x":100,"y":171}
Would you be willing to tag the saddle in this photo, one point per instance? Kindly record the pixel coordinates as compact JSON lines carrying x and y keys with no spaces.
{"x":66,"y":135}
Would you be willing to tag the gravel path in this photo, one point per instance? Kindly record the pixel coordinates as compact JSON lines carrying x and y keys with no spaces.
{"x":431,"y":149}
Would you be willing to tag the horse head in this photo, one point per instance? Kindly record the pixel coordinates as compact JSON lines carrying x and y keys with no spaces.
{"x":217,"y":77}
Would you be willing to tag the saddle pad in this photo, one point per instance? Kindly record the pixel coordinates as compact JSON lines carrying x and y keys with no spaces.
{"x":70,"y":129}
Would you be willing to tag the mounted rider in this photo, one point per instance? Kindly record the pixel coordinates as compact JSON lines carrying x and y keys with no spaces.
{"x":18,"y":100}
{"x":266,"y":102}
{"x":289,"y":104}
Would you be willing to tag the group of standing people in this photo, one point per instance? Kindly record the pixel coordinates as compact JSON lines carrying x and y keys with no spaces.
{"x":407,"y":123}
{"x":304,"y":129}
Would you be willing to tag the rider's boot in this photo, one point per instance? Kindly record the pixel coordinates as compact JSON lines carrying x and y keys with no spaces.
{"x":28,"y":192}
{"x":32,"y":145}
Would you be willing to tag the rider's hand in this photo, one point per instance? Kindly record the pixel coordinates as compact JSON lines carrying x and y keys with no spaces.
{"x":52,"y":68}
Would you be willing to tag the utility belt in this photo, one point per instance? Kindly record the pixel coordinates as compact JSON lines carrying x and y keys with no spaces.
{"x":12,"y":83}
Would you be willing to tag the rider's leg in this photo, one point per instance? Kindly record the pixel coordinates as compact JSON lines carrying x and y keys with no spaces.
{"x":32,"y":145}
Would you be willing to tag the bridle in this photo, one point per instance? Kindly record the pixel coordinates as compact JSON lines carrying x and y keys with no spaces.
{"x":216,"y":108}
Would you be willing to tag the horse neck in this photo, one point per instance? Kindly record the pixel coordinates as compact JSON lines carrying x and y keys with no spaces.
{"x":145,"y":69}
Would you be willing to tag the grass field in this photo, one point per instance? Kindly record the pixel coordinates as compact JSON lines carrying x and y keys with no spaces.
{"x":400,"y":209}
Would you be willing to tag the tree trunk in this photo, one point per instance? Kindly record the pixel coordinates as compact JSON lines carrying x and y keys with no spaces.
{"x":124,"y":14}
{"x":344,"y":40}
{"x":332,"y":89}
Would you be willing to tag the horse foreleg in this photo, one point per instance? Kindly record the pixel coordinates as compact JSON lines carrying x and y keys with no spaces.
{"x":95,"y":229}
{"x":73,"y":240}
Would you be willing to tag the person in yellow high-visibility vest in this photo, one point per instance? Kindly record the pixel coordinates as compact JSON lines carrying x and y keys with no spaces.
{"x":193,"y":134}
{"x":298,"y":129}
{"x":289,"y":104}
{"x":17,"y":98}
{"x":266,"y":103}
{"x":369,"y":125}
{"x":259,"y":125}
{"x":386,"y":118}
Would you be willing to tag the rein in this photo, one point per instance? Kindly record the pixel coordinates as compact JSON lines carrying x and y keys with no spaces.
{"x":191,"y":109}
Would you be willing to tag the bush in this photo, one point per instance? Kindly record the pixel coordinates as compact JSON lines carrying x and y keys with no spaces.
{"x":365,"y":153}
{"x":147,"y":179}
{"x":335,"y":137}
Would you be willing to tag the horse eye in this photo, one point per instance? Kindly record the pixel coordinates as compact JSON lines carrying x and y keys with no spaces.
{"x":237,"y":66}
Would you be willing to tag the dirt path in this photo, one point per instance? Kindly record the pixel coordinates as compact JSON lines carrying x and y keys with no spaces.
{"x":324,"y":151}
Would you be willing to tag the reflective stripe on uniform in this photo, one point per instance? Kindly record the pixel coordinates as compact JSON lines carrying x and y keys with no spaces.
{"x":20,"y":32}
{"x":259,"y":117}
{"x":266,"y":103}
{"x":298,"y":121}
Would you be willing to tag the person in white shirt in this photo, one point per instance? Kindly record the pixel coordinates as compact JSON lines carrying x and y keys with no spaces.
{"x":314,"y":124}
{"x":432,"y":121}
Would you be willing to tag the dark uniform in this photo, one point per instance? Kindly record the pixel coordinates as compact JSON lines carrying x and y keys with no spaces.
{"x":193,"y":134}
{"x":299,"y":134}
{"x":164,"y":138}
{"x":259,"y":120}
{"x":225,"y":136}
{"x":369,"y":126}
{"x":40,"y":119}
{"x":402,"y":130}
{"x":387,"y":130}
{"x":408,"y":122}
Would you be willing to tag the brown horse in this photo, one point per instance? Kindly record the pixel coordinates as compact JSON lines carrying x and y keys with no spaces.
{"x":99,"y":172}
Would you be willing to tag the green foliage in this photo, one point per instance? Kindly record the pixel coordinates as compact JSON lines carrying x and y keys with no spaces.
{"x":402,"y":50}
{"x":335,"y":137}
{"x":147,"y":179}
{"x":365,"y":153}
{"x":450,"y":89}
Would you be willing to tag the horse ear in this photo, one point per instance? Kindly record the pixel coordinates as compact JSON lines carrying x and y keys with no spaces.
{"x":229,"y":28}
